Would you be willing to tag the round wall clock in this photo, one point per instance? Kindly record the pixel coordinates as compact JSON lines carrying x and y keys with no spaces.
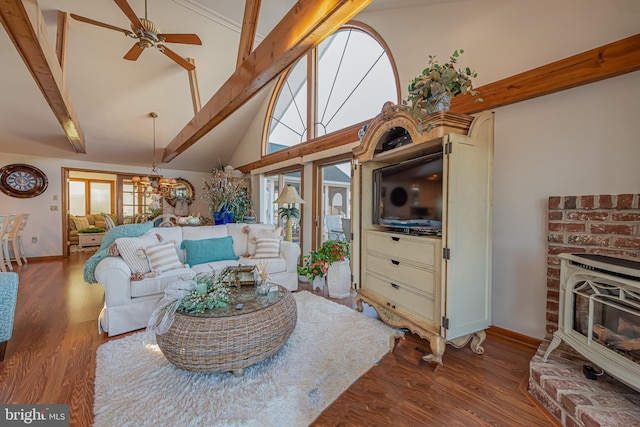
{"x":20,"y":180}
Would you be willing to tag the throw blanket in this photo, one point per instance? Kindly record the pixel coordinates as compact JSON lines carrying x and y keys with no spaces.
{"x":126,"y":230}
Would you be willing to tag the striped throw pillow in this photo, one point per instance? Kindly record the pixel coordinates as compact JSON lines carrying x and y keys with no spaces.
{"x":81,"y":222}
{"x":131,"y":250}
{"x":267,"y":247}
{"x":163,"y":257}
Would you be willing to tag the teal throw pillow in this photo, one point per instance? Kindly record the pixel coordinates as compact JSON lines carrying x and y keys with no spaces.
{"x":208,"y":250}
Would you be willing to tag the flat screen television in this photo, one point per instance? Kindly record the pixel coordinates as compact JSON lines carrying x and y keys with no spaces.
{"x":408,"y":195}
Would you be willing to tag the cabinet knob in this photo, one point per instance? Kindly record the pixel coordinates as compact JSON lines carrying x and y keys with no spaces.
{"x":395,"y":239}
{"x":394,"y":286}
{"x":394,"y":262}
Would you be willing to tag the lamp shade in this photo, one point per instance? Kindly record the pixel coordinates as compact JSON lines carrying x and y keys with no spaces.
{"x":289,"y":195}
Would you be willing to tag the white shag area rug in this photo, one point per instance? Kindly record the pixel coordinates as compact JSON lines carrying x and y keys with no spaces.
{"x":330,"y":348}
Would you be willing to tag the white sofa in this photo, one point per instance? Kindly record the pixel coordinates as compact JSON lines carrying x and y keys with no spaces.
{"x":129,"y":304}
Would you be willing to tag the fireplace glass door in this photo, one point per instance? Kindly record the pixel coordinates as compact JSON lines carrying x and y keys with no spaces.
{"x":608,"y":314}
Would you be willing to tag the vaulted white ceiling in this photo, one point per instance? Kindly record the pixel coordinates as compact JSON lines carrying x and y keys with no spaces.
{"x":113,"y":97}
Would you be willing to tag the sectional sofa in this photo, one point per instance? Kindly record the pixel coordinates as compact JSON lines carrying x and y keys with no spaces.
{"x":131,"y":297}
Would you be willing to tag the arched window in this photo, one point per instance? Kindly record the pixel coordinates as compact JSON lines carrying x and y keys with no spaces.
{"x":350,"y":75}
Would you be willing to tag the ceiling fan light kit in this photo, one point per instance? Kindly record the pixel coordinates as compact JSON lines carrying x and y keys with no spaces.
{"x":147,"y":34}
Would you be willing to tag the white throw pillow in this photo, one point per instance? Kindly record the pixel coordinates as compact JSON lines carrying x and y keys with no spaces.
{"x":163,"y":257}
{"x":131,"y":249}
{"x":258,"y":231}
{"x":267,"y":247}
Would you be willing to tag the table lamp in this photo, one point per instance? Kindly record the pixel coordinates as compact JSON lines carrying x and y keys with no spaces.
{"x":289,"y":196}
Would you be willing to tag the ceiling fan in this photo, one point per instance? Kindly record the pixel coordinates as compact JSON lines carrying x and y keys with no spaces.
{"x":147,"y":34}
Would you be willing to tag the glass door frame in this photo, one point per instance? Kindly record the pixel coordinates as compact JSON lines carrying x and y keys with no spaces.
{"x":281,"y":180}
{"x":318,"y":196}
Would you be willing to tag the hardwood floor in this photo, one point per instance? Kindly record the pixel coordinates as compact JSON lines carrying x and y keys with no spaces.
{"x":51,"y":359}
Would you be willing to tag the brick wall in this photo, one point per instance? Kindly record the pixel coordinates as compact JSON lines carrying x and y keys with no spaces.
{"x":604,"y":224}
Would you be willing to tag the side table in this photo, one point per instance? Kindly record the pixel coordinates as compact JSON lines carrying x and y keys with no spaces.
{"x":90,"y":239}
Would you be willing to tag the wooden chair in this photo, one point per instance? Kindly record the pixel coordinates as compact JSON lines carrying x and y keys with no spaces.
{"x":4,"y":223}
{"x":15,"y":238}
{"x":4,"y":238}
{"x":8,"y":297}
{"x":165,"y":220}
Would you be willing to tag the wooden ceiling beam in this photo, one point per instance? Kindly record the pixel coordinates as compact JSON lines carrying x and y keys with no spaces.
{"x":610,"y":60}
{"x":249,"y":28}
{"x":25,"y":25}
{"x":193,"y":84}
{"x":62,"y":41}
{"x":303,"y":27}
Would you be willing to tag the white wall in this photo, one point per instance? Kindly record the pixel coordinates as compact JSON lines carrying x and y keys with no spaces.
{"x":46,"y":223}
{"x":579,"y":141}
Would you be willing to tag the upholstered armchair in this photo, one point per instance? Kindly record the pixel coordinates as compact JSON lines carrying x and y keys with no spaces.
{"x":8,"y":296}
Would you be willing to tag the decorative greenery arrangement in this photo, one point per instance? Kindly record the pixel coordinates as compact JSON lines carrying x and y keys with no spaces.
{"x":316,"y":263}
{"x":210,"y":291}
{"x":229,"y":190}
{"x":92,"y":230}
{"x":435,"y":83}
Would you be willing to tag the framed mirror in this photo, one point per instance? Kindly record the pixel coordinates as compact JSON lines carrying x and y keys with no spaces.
{"x":182,"y":192}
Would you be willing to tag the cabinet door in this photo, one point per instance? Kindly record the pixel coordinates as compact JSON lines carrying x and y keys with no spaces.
{"x":467,"y":230}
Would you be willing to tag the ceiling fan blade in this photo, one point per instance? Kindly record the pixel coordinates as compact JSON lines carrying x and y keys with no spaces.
{"x":177,"y":58}
{"x":134,"y":53}
{"x":99,"y":24}
{"x":181,"y":38}
{"x":124,"y":6}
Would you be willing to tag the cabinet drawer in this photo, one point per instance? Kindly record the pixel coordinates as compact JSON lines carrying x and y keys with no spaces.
{"x":402,"y":297}
{"x":402,"y":273}
{"x":412,"y":248}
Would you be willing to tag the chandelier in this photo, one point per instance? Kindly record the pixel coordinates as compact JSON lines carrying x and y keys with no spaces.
{"x":154,"y":183}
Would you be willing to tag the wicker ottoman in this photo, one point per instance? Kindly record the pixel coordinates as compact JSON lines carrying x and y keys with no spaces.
{"x":226,"y":339}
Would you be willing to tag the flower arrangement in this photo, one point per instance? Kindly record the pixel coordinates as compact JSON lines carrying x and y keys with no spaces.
{"x":155,"y":206}
{"x":228,"y":189}
{"x":437,"y":84}
{"x":316,"y":263}
{"x":206,"y":291}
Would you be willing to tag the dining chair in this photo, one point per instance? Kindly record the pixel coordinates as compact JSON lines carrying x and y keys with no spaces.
{"x":4,"y":240}
{"x":16,"y":238}
{"x":8,"y":297}
{"x":165,"y":220}
{"x":4,"y":222}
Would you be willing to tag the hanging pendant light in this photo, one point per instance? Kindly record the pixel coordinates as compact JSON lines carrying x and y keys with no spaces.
{"x":154,"y":182}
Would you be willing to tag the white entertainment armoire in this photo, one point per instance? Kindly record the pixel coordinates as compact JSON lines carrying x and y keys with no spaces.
{"x":437,"y":286}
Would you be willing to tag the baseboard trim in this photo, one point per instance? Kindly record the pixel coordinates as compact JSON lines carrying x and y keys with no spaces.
{"x":45,"y":258}
{"x":498,"y":332}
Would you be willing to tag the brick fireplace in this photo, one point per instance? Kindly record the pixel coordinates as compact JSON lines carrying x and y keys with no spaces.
{"x":598,"y":224}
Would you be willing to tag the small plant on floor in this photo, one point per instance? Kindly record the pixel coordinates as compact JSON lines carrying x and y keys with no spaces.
{"x":314,"y":266}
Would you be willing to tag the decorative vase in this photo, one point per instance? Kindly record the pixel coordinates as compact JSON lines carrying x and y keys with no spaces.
{"x":218,"y":217}
{"x":227,"y":217}
{"x":437,"y":103}
{"x":318,"y":283}
{"x":262,"y":286}
{"x":339,"y":279}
